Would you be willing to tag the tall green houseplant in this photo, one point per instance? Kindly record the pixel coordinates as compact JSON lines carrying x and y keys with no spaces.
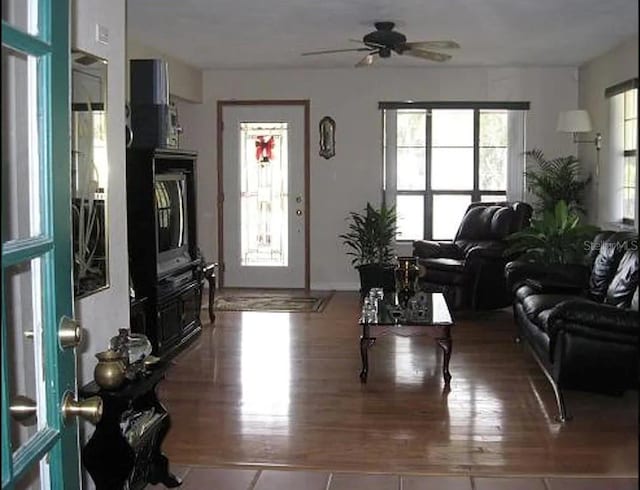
{"x":558,"y":179}
{"x":370,"y":241}
{"x":557,"y":238}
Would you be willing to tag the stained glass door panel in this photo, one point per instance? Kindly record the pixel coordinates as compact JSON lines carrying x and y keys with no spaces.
{"x":264,"y":198}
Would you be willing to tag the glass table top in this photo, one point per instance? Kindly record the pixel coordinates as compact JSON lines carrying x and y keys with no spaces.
{"x":421,"y":309}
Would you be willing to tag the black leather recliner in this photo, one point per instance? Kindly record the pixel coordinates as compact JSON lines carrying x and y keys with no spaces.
{"x":581,"y":322}
{"x":470,"y":269}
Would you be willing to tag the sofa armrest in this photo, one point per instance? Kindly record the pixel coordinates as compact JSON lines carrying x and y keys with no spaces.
{"x":553,"y":287}
{"x":589,"y":317}
{"x":574,"y":275}
{"x":426,"y":249}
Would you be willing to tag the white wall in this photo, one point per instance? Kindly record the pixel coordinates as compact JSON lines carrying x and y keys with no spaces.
{"x":615,"y":66}
{"x":185,"y":81}
{"x":101,"y":314}
{"x":347,"y":181}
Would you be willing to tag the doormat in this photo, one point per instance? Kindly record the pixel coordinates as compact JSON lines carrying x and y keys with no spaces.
{"x":267,"y":301}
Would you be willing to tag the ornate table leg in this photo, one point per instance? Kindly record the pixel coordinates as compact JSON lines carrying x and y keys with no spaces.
{"x":365,"y":341}
{"x":446,"y":346}
{"x":209,"y":271}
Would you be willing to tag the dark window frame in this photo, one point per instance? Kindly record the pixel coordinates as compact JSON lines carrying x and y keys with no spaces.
{"x":476,"y":193}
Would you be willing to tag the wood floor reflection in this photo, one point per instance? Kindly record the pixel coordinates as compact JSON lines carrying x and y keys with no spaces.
{"x":282,"y":390}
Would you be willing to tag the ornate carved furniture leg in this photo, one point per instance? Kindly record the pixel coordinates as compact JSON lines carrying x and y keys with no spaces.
{"x":446,"y":345}
{"x":365,"y":342}
{"x":209,"y":272}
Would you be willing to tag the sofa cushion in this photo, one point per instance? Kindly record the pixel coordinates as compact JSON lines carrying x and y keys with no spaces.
{"x":624,"y":283}
{"x":605,"y":265}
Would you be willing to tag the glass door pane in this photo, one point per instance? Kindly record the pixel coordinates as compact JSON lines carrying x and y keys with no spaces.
{"x":23,"y":317}
{"x":21,"y":188}
{"x":264,"y":194}
{"x":21,"y":14}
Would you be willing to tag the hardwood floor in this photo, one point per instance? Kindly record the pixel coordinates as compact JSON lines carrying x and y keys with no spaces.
{"x":282,"y":390}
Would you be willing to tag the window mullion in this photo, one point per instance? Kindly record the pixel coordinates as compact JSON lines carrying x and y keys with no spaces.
{"x":428,"y":196}
{"x":475,"y":195}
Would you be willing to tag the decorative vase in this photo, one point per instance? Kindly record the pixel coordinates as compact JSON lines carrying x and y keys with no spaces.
{"x":111,"y":369}
{"x":407,"y":274}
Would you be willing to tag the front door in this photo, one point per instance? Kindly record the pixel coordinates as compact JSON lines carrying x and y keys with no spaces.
{"x":39,"y":449}
{"x":264,"y":207}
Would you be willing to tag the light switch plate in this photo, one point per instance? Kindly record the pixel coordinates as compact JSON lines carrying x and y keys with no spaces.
{"x":102,"y":34}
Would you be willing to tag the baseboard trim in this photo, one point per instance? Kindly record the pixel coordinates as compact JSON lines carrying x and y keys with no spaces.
{"x":335,"y":286}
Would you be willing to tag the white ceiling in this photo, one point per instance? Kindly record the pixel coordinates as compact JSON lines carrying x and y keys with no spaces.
{"x":240,"y":34}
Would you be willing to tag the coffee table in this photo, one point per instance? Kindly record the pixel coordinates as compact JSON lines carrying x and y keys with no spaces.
{"x":431,"y":318}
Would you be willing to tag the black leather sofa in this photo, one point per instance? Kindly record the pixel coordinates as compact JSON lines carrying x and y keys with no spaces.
{"x":470,"y":269}
{"x":581,"y":322}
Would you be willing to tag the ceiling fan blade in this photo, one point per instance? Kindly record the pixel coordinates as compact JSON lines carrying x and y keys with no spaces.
{"x":329,"y":51}
{"x":427,"y":55}
{"x":433,"y":45}
{"x":370,"y":44}
{"x":367,"y":60}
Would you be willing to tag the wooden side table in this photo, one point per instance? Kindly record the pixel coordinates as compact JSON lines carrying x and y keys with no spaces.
{"x":125,"y":449}
{"x":209,"y":271}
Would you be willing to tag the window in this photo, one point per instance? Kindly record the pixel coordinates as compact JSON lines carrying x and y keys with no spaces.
{"x":440,"y":157}
{"x":630,"y":166}
{"x":624,"y":143}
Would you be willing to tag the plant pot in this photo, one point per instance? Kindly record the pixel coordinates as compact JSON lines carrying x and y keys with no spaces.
{"x":376,"y":276}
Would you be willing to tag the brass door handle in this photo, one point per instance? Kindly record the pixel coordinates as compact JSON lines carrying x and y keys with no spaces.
{"x":23,"y":410}
{"x":89,"y":409}
{"x":69,"y":333}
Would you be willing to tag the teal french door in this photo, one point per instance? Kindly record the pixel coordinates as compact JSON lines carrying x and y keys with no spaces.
{"x":39,"y":448}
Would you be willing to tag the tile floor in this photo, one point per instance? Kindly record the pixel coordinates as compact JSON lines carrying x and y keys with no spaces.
{"x":199,"y":478}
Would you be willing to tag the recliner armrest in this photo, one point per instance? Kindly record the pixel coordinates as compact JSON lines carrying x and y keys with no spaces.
{"x":430,"y":249}
{"x":494,"y":250}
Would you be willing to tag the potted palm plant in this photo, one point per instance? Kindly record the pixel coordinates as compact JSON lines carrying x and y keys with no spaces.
{"x":557,"y":238}
{"x":370,"y":242}
{"x":558,"y":179}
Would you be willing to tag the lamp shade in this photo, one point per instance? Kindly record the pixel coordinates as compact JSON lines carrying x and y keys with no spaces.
{"x":574,"y":122}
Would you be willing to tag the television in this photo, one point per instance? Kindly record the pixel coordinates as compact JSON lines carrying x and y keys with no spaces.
{"x":171,"y":221}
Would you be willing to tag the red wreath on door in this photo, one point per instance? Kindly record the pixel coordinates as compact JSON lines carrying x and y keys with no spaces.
{"x":264,"y":149}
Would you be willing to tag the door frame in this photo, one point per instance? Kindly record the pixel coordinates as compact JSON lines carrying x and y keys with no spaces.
{"x":306,"y":105}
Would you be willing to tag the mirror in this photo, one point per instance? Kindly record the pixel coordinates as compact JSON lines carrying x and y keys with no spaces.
{"x":89,"y":173}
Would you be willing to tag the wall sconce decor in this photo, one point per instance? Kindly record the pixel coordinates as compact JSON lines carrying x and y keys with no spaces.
{"x":575,"y":122}
{"x":327,"y":137}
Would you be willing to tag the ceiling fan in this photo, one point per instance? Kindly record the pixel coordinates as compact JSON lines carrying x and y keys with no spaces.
{"x":384,"y":40}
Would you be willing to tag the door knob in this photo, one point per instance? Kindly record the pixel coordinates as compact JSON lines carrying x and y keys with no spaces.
{"x":23,"y":410}
{"x":89,"y":409}
{"x":299,"y":212}
{"x":69,"y":333}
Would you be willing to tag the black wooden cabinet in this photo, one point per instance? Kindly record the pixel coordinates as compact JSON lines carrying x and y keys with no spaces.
{"x":172,"y":295}
{"x":124,"y":451}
